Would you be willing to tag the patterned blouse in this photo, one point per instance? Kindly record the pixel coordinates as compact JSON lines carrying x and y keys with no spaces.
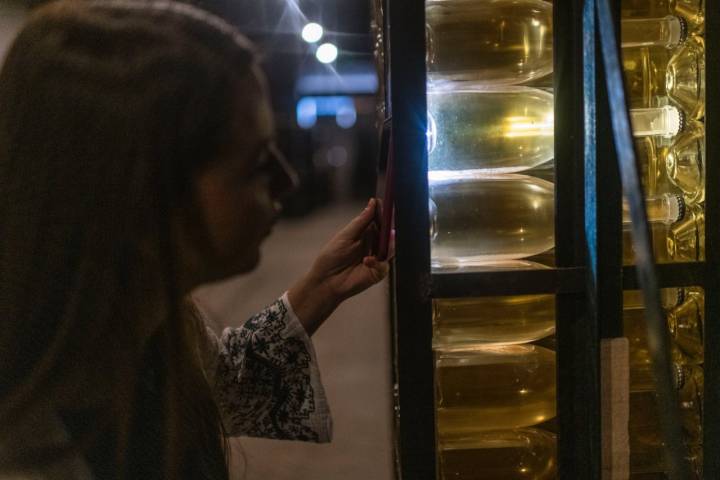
{"x":265,"y":377}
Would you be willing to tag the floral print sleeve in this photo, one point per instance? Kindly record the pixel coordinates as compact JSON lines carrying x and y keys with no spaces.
{"x":266,"y":379}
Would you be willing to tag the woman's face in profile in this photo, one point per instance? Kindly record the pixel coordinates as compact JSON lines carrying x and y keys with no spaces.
{"x":239,"y":194}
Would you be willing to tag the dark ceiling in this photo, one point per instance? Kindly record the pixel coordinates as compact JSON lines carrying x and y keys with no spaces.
{"x":274,"y":25}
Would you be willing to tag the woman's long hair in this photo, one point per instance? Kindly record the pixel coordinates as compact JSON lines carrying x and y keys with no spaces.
{"x":107,"y":111}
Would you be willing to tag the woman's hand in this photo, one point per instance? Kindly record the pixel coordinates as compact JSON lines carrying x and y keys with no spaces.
{"x":344,"y":268}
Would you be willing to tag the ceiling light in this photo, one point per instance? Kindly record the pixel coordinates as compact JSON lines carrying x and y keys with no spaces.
{"x":326,"y":53}
{"x":312,"y":32}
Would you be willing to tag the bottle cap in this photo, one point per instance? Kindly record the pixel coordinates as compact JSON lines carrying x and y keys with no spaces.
{"x":678,"y":375}
{"x":675,"y":120}
{"x":678,"y":203}
{"x":683,"y":28}
{"x":671,"y":297}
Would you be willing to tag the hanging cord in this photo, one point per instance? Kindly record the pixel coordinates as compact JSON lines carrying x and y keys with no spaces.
{"x":658,"y":337}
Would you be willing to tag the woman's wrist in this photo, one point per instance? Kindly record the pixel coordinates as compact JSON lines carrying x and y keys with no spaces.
{"x":312,"y":302}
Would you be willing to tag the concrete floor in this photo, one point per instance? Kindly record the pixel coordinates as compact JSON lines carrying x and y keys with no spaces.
{"x":353,"y":349}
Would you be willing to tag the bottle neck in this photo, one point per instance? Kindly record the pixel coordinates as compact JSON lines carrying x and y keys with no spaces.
{"x":667,"y":208}
{"x":666,"y":32}
{"x":665,"y":121}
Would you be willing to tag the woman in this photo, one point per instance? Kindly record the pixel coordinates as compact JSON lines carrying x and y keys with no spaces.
{"x":136,"y":162}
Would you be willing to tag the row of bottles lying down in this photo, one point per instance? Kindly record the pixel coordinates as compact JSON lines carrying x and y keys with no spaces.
{"x":509,"y":42}
{"x":491,"y":395}
{"x":495,"y":389}
{"x":657,"y":77}
{"x":685,"y":324}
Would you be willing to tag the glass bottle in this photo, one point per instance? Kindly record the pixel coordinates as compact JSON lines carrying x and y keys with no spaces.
{"x":492,"y":388}
{"x":645,"y":75}
{"x":497,"y":42}
{"x":649,"y":458}
{"x":686,"y":238}
{"x":520,"y":454}
{"x":685,"y":329}
{"x":646,"y":444}
{"x":507,"y":42}
{"x":485,"y":218}
{"x":492,"y":320}
{"x":668,"y":32}
{"x":472,"y":127}
{"x":644,"y":8}
{"x":666,"y":208}
{"x":644,"y":414}
{"x":669,"y":297}
{"x":687,"y":326}
{"x":665,"y":121}
{"x":653,"y":167}
{"x":685,"y":163}
{"x":492,"y":266}
{"x":509,"y":320}
{"x":691,"y":10}
{"x":685,"y":77}
{"x":658,"y":236}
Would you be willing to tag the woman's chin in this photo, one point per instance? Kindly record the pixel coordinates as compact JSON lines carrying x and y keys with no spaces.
{"x":227,"y":268}
{"x":250,"y":262}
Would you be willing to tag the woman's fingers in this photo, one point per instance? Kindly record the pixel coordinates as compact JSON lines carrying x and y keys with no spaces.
{"x":359,"y":224}
{"x":378,"y":269}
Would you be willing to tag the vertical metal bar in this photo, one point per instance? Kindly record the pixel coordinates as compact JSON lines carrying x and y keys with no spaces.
{"x":578,"y":401}
{"x":658,"y":341}
{"x":711,"y":406}
{"x":414,"y":360}
{"x":607,"y":266}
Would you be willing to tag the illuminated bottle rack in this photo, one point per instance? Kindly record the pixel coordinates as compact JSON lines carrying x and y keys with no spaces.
{"x":587,"y":283}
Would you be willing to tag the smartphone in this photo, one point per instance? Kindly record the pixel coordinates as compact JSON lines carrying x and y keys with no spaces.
{"x":384,"y":215}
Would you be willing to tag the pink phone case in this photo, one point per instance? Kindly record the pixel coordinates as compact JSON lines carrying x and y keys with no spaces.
{"x":388,"y":204}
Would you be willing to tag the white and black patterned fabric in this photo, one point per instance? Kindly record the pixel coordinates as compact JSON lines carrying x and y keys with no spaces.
{"x":266,"y":379}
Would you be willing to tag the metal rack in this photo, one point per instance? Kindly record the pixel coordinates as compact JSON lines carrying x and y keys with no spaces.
{"x":589,"y":277}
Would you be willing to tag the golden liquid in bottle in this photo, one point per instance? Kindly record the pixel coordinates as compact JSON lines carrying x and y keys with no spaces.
{"x":658,"y":236}
{"x":490,"y":130}
{"x":519,"y":454}
{"x":645,"y":70}
{"x":494,"y":388}
{"x":668,"y":32}
{"x":649,"y":459}
{"x":685,"y":77}
{"x":496,"y":130}
{"x":646,"y":442}
{"x":492,"y":320}
{"x":669,"y":297}
{"x":689,"y":382}
{"x":686,"y":323}
{"x":635,"y":328}
{"x":500,"y":42}
{"x":644,"y":414}
{"x":644,"y":8}
{"x":483,"y":219}
{"x":693,"y":11}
